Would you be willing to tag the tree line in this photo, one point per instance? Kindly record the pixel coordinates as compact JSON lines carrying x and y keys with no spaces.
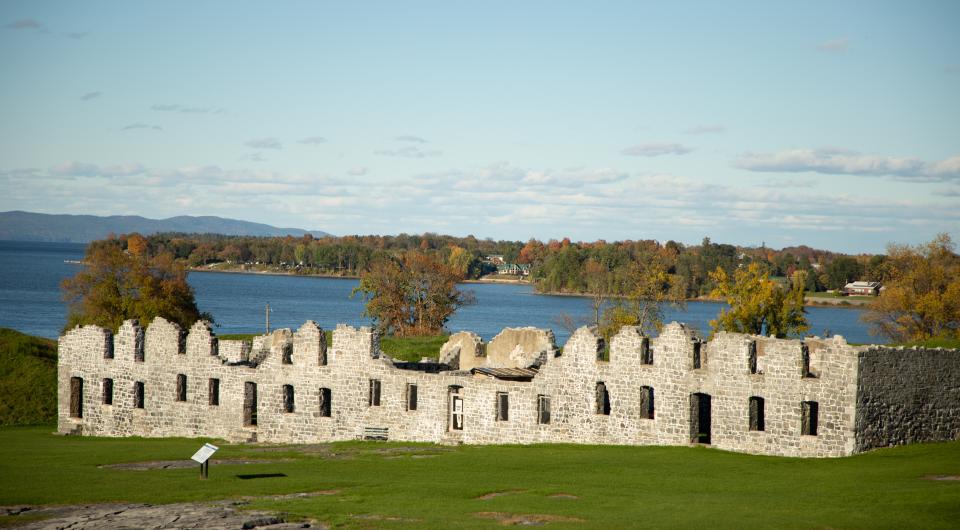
{"x":557,"y":266}
{"x":409,"y":283}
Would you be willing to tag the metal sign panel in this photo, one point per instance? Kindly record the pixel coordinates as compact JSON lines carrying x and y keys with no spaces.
{"x":204,"y":453}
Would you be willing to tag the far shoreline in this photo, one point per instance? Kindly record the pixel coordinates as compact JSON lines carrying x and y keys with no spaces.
{"x":809,"y":301}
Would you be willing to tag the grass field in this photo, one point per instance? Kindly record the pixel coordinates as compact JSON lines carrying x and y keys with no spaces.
{"x":402,"y":348}
{"x":394,"y":485}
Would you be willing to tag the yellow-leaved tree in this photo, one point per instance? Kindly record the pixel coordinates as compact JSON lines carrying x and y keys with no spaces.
{"x":758,"y":304}
{"x":921,"y":297}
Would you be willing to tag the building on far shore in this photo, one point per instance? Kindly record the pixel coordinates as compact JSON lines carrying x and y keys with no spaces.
{"x":862,"y":288}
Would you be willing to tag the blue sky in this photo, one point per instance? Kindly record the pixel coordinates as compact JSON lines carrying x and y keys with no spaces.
{"x":831,"y":124}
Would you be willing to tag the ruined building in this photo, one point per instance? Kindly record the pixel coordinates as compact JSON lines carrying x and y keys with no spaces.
{"x":815,"y":397}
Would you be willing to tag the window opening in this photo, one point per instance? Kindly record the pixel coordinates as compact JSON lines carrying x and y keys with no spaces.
{"x":213,"y":391}
{"x":603,"y":399}
{"x":543,"y":410}
{"x":756,"y":413}
{"x":288,"y":398}
{"x":108,"y":391}
{"x":181,"y":387}
{"x":411,"y":396}
{"x":810,"y":410}
{"x":325,"y":406}
{"x":138,"y":395}
{"x":76,"y":397}
{"x":249,"y":403}
{"x":503,"y":406}
{"x":646,"y":402}
{"x":373,"y":399}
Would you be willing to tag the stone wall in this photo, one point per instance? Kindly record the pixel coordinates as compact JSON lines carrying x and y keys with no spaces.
{"x":907,"y":395}
{"x":294,"y":373}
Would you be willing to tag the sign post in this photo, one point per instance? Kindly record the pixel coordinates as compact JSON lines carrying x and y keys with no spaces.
{"x":203,"y":457}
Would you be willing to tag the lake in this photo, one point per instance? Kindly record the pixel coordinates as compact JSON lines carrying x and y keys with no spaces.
{"x":30,"y":300}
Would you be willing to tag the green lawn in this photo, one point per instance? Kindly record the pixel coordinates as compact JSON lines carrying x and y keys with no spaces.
{"x":823,"y":294}
{"x":402,"y":348}
{"x":393,"y":485}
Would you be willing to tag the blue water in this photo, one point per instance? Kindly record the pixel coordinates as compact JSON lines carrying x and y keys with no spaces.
{"x":30,"y":301}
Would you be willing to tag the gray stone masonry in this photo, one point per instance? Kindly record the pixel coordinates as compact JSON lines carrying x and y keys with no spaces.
{"x":820,"y":397}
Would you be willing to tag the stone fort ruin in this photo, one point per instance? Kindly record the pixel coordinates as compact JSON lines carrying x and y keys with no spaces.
{"x":812,"y":398}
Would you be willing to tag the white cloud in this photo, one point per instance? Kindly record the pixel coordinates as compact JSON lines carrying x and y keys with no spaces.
{"x":185,"y":109}
{"x":410,"y":138}
{"x":834,"y":45}
{"x":409,"y":151}
{"x":834,"y":161}
{"x":656,"y":149}
{"x":706,"y":129}
{"x":312,"y":140}
{"x":141,"y":125}
{"x":264,"y":143}
{"x":25,"y":23}
{"x":357,"y":171}
{"x":85,"y":169}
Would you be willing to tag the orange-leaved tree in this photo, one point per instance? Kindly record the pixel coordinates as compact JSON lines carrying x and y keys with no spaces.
{"x":121,"y":280}
{"x":413,"y":294}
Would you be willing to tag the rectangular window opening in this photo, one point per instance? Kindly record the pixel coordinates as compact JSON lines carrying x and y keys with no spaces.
{"x":543,"y":410}
{"x":288,"y":398}
{"x":697,"y":361}
{"x":287,"y":357}
{"x":108,"y":391}
{"x":810,"y":410}
{"x":138,"y":395}
{"x":213,"y":391}
{"x":373,"y":399}
{"x":456,"y":408}
{"x":181,"y":387}
{"x":503,"y":406}
{"x":752,"y":358}
{"x":756,"y":414}
{"x":250,"y":404}
{"x":411,"y":397}
{"x":646,"y":352}
{"x":603,"y":399}
{"x":325,"y":407}
{"x":646,"y":403}
{"x":76,"y":397}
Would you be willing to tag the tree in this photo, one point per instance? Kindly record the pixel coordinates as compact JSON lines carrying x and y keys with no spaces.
{"x":638,"y":297}
{"x":121,"y":280}
{"x":411,"y":295}
{"x":758,"y":304}
{"x":842,"y":271}
{"x":921,"y":298}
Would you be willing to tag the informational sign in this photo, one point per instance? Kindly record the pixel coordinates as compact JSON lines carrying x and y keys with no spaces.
{"x":204,"y":453}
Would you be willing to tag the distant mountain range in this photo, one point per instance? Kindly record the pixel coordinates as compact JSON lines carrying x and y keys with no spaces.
{"x":28,"y":226}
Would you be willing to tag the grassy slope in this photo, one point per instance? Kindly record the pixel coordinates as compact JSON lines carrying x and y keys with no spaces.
{"x":618,"y":487}
{"x":28,"y":378}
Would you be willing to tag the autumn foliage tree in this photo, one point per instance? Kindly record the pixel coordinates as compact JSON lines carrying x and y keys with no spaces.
{"x":639,"y":295}
{"x":921,"y":297}
{"x":413,"y":294}
{"x":121,"y":280}
{"x":758,"y":304}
